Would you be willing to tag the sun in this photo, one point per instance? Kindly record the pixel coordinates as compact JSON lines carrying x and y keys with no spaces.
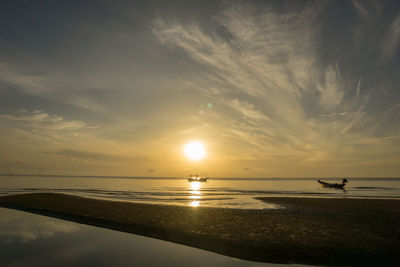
{"x":195,"y":150}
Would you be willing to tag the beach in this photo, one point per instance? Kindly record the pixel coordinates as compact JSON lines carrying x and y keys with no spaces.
{"x":314,"y":231}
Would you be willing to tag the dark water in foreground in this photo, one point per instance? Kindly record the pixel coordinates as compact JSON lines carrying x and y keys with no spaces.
{"x":33,"y":240}
{"x":229,"y":193}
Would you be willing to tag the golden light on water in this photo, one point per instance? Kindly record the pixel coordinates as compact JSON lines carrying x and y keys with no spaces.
{"x":195,"y":150}
{"x":195,"y":186}
{"x":194,"y":204}
{"x":195,"y":194}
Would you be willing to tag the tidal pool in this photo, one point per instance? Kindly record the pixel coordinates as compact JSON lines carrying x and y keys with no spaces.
{"x":33,"y":240}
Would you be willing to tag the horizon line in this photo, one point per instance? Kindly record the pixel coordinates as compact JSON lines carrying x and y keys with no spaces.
{"x":175,"y":177}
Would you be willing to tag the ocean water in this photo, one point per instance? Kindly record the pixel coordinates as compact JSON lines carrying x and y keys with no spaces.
{"x":223,"y":192}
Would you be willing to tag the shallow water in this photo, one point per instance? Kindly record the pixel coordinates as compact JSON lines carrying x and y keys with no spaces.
{"x":227,"y":193}
{"x":33,"y":240}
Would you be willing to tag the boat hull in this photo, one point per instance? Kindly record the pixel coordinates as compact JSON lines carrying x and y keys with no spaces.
{"x":329,"y":185}
{"x":196,"y":179}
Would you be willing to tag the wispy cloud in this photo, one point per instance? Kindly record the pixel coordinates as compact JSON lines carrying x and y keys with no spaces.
{"x":391,"y":42}
{"x":248,"y":110}
{"x":32,"y":82}
{"x":360,"y":8}
{"x":291,"y":102}
{"x":37,"y":80}
{"x":87,"y":156}
{"x":38,"y":119}
{"x":331,"y":91}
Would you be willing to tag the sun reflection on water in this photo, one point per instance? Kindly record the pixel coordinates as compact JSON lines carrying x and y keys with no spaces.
{"x":194,"y":204}
{"x":195,"y":186}
{"x":195,"y":194}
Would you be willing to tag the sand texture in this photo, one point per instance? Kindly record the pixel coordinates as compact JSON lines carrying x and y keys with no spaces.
{"x":329,"y":232}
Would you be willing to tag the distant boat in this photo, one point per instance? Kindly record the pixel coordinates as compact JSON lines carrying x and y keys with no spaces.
{"x":334,"y":185}
{"x":197,"y":178}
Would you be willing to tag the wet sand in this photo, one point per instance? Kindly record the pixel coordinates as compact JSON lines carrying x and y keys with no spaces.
{"x":363,"y":232}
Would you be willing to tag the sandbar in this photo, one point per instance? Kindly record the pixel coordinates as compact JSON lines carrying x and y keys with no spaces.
{"x":315,"y":231}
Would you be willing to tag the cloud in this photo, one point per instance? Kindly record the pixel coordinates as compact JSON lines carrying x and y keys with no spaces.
{"x":27,"y":129}
{"x":331,"y":93}
{"x":269,"y":60}
{"x":38,"y":119}
{"x":360,"y":8}
{"x":37,"y":80}
{"x":358,"y":90}
{"x":87,"y":156}
{"x":391,"y":42}
{"x":32,"y":82}
{"x":248,"y":110}
{"x":284,"y":98}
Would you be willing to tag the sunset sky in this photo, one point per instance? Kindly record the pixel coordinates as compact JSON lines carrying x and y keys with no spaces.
{"x":271,"y":88}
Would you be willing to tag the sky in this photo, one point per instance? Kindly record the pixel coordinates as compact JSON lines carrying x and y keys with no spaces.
{"x":271,"y":88}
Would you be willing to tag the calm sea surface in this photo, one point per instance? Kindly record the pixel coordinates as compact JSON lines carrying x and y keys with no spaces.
{"x":223,"y":192}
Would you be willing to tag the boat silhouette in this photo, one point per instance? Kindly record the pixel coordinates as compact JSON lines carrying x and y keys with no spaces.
{"x":334,"y":185}
{"x":197,"y":178}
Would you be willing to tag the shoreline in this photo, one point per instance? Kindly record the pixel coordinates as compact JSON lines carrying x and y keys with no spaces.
{"x":317,"y":231}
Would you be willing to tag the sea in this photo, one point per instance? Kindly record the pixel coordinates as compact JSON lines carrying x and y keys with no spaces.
{"x":237,"y":193}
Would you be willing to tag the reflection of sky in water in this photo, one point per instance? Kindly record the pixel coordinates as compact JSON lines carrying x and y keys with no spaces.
{"x":16,"y":228}
{"x":33,"y":240}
